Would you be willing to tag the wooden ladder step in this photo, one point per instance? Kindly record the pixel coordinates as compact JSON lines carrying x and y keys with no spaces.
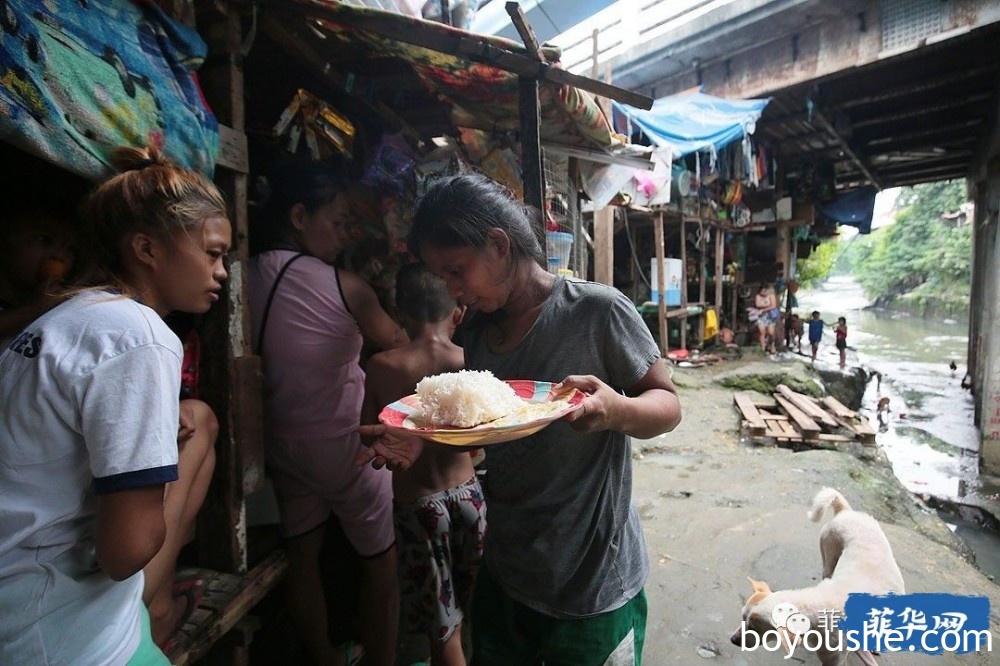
{"x":227,"y":599}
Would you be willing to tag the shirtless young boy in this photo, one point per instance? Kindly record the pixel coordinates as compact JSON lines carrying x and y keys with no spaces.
{"x":440,"y":495}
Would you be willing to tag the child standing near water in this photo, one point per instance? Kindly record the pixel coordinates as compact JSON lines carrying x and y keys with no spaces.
{"x":439,"y":511}
{"x":841,"y":333}
{"x":815,"y":332}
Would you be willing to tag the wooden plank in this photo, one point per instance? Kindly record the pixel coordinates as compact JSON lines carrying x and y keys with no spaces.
{"x":532,"y":174}
{"x":225,"y":329}
{"x":443,"y":39}
{"x":806,"y":404}
{"x":787,"y":428}
{"x":480,"y":51}
{"x":588,"y":154}
{"x":838,"y":408}
{"x":719,"y":268}
{"x":750,"y":413}
{"x":834,"y":437}
{"x":784,"y":436}
{"x":862,"y":431}
{"x":529,"y":113}
{"x":806,"y":425}
{"x":604,"y":249}
{"x":684,"y":282}
{"x":227,"y":599}
{"x":249,"y":410}
{"x":524,"y":30}
{"x":233,"y":150}
{"x":661,"y":279}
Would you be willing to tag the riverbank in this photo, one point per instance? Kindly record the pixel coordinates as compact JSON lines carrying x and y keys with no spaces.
{"x":717,"y":509}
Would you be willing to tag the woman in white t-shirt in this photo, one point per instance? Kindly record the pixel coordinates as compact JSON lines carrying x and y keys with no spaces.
{"x":88,"y":420}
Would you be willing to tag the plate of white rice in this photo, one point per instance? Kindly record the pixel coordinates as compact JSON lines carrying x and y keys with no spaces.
{"x":473,"y":408}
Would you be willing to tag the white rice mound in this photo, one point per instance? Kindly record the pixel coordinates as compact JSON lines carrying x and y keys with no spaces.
{"x":465,"y":398}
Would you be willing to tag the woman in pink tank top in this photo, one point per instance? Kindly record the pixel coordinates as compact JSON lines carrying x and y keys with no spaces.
{"x":309,"y":321}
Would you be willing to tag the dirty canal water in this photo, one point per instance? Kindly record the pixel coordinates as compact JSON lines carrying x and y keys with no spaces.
{"x":926,"y":429}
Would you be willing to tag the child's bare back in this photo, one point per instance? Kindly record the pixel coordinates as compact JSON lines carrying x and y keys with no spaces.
{"x":394,"y":374}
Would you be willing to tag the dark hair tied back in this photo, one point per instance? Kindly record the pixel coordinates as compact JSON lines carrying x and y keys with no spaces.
{"x":130,"y":158}
{"x":152,"y":196}
{"x":461,"y":210}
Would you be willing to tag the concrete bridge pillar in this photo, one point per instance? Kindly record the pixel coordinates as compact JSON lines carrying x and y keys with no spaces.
{"x":987,"y":338}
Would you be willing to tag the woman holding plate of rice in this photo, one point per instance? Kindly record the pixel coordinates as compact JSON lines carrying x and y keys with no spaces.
{"x":565,"y":558}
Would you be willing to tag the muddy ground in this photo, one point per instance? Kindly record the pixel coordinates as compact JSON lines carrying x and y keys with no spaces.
{"x":717,"y":509}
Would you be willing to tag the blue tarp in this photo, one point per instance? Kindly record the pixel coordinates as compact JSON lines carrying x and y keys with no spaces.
{"x":854,"y":209}
{"x":692,"y":121}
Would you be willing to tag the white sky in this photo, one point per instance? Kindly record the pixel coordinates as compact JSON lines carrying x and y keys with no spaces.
{"x":884,"y":201}
{"x":623,"y":24}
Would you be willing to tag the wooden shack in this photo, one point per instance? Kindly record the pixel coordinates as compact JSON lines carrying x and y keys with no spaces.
{"x":389,"y":75}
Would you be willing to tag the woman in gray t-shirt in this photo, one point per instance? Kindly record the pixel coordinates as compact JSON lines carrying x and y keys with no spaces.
{"x":565,"y":559}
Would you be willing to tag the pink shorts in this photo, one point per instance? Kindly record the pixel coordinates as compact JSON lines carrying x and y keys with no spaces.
{"x":316,"y":478}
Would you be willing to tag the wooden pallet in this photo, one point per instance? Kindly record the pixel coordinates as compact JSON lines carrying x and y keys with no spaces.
{"x":224,"y":605}
{"x":800,"y":419}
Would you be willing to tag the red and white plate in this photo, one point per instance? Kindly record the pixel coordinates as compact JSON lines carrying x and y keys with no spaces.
{"x":541,"y":409}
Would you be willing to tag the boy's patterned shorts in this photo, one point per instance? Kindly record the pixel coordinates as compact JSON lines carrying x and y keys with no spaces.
{"x":440,"y":539}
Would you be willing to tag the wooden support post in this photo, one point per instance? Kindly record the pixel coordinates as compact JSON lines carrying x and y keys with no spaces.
{"x":720,"y":250}
{"x":734,"y":300}
{"x":604,"y":219}
{"x":702,"y":278}
{"x":604,"y":235}
{"x":580,"y":253}
{"x":529,"y":112}
{"x":532,"y":174}
{"x":661,"y":281}
{"x":684,"y":283}
{"x":783,"y":250}
{"x":231,"y":375}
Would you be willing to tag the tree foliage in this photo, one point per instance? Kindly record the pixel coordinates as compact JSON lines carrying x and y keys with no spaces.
{"x":919,"y":253}
{"x":819,"y":264}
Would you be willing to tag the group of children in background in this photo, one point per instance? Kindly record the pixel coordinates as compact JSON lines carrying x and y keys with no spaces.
{"x":765,"y":315}
{"x":794,"y":331}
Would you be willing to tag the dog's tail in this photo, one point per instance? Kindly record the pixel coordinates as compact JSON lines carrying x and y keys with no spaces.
{"x":825,"y":499}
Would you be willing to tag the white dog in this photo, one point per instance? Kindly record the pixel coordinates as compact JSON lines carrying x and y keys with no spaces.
{"x":857,"y":557}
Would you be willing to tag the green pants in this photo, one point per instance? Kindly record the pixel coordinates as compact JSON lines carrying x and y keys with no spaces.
{"x":147,"y":654}
{"x":508,"y":633}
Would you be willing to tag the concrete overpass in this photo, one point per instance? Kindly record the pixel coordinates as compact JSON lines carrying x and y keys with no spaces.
{"x":883,"y":92}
